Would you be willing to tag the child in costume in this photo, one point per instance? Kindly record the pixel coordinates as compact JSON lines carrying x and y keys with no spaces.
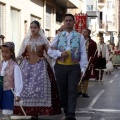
{"x":11,"y":79}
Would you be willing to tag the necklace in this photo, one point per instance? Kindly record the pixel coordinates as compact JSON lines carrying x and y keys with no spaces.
{"x":33,"y":45}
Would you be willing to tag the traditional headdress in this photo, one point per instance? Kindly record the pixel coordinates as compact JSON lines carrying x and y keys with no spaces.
{"x":11,"y":46}
{"x":27,"y":38}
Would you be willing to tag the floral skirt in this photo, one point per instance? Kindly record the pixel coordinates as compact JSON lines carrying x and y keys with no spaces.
{"x":39,"y":94}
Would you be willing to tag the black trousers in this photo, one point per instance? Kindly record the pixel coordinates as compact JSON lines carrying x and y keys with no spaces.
{"x":100,"y":63}
{"x":68,"y":77}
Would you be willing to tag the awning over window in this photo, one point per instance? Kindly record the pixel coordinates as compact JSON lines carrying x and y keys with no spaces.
{"x":68,"y":3}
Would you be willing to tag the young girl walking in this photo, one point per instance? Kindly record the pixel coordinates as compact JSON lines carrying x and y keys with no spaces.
{"x":12,"y":80}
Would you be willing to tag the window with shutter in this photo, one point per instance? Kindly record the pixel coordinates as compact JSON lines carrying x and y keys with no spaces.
{"x":33,"y":17}
{"x":48,"y":16}
{"x":2,"y":19}
{"x":15,"y":28}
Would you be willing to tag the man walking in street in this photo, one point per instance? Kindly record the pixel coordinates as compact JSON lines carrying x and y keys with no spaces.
{"x":71,"y":62}
{"x":91,"y":48}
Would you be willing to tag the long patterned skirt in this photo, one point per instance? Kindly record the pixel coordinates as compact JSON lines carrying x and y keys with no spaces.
{"x":39,"y":94}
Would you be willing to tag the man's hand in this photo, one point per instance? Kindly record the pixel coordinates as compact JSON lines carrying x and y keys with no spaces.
{"x":64,"y":54}
{"x":91,"y":65}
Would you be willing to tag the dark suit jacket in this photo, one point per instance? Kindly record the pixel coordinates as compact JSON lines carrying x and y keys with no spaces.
{"x":93,"y":54}
{"x":92,"y":50}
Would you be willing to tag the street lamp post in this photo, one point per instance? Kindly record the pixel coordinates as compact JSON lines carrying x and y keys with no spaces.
{"x":118,"y":44}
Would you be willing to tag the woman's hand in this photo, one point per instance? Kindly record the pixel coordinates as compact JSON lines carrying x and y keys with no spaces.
{"x":17,"y":99}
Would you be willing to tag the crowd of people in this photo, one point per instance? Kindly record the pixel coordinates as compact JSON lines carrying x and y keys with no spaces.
{"x":43,"y":89}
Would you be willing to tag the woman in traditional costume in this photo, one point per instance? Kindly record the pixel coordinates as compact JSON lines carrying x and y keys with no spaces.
{"x":39,"y":95}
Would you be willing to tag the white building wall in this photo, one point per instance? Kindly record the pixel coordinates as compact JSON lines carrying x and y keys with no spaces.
{"x":91,"y":2}
{"x":26,"y":7}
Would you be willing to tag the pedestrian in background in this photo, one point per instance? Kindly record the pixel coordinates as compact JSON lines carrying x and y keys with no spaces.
{"x":102,"y":58}
{"x":109,"y":64}
{"x":2,"y":37}
{"x":12,"y":79}
{"x":91,"y":48}
{"x":62,"y":28}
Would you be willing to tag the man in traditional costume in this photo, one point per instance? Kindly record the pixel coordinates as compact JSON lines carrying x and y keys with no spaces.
{"x":91,"y":48}
{"x":70,"y":51}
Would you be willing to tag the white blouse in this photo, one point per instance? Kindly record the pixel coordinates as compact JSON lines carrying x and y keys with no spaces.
{"x":17,"y":78}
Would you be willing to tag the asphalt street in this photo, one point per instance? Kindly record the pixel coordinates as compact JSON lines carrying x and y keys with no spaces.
{"x":103,"y":104}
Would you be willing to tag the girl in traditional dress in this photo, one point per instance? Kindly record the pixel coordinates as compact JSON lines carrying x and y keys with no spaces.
{"x":11,"y":73}
{"x":39,"y":95}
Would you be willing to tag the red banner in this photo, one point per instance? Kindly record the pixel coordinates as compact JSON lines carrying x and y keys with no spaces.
{"x":80,"y":22}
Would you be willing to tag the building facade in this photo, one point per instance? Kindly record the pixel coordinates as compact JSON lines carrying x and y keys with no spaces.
{"x":111,"y":21}
{"x":102,"y":19}
{"x":118,"y":18}
{"x":16,"y":16}
{"x":81,"y":8}
{"x":93,"y":18}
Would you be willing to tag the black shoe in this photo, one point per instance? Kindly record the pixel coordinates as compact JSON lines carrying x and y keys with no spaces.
{"x":65,"y":118}
{"x":85,"y":95}
{"x":101,"y":79}
{"x":96,"y":79}
{"x":70,"y":118}
{"x":79,"y":93}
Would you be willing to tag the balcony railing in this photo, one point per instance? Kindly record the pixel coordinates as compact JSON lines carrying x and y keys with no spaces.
{"x":101,"y":1}
{"x":92,"y":13}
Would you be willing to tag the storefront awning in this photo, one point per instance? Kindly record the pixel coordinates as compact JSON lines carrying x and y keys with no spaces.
{"x":68,"y":3}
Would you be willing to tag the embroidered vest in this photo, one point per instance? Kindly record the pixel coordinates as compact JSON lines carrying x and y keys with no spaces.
{"x":8,"y":81}
{"x":74,"y":53}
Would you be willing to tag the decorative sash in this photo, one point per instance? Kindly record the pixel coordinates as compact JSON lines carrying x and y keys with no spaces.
{"x":1,"y":81}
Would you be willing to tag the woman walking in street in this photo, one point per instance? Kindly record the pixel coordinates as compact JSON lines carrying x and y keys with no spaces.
{"x":39,"y":93}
